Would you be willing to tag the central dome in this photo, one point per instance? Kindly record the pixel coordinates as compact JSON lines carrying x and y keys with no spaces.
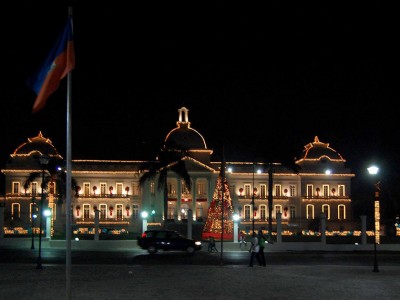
{"x":183,"y":137}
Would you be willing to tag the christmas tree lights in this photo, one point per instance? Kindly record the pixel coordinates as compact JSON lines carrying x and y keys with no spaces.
{"x":213,"y":225}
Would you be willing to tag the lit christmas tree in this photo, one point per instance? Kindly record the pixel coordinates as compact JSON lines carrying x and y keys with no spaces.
{"x":213,"y":225}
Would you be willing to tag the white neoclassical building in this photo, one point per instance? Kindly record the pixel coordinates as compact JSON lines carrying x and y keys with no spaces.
{"x":321,"y":186}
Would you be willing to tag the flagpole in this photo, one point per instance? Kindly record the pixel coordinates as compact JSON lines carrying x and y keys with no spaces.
{"x":68,"y":184}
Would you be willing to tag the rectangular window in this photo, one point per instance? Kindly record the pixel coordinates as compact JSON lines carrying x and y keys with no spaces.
{"x":201,"y":188}
{"x":135,"y":189}
{"x":263,"y":191}
{"x":172,"y":189}
{"x":278,"y":190}
{"x":325,"y":190}
{"x":185,"y":189}
{"x":86,"y":211}
{"x":119,"y":211}
{"x":263,"y":212}
{"x":341,"y":190}
{"x":103,"y":189}
{"x":86,"y":189}
{"x":34,"y":188}
{"x":247,"y":212}
{"x":247,"y":190}
{"x":103,"y":210}
{"x":119,"y":188}
{"x":292,"y":212}
{"x":15,"y":187}
{"x":292,"y":191}
{"x":135,"y":211}
{"x":310,"y":192}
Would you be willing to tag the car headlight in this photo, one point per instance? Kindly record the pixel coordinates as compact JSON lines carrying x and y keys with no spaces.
{"x":198,"y":243}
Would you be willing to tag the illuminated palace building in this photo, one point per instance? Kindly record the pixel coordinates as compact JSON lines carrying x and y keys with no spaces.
{"x":320,"y":186}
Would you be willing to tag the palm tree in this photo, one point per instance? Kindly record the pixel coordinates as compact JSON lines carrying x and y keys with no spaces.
{"x":53,"y":174}
{"x":169,"y":159}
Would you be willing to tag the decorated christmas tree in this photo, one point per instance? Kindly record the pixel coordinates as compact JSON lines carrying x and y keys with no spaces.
{"x":213,"y":225}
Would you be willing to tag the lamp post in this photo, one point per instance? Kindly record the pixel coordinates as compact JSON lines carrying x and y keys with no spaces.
{"x":373,"y":170}
{"x":33,"y":216}
{"x":252,"y":202}
{"x":44,"y":160}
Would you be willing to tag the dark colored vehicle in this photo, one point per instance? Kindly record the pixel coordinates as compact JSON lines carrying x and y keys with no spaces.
{"x":167,"y":240}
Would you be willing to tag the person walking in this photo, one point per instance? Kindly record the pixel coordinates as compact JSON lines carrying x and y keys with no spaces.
{"x":242,"y":240}
{"x":211,"y":245}
{"x":254,"y":248}
{"x":261,"y":243}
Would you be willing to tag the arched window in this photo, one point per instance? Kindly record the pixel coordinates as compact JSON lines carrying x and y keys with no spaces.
{"x":263,"y":212}
{"x":341,"y":212}
{"x":326,"y":210}
{"x":247,"y":212}
{"x":310,"y":211}
{"x":278,"y":209}
{"x":15,"y":211}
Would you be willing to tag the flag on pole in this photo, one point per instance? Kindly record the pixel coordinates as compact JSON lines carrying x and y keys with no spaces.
{"x":59,"y":62}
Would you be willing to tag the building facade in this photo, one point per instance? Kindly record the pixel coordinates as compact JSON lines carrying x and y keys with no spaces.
{"x":319,"y":185}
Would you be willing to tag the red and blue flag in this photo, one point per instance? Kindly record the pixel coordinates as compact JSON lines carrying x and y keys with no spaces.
{"x":59,"y":62}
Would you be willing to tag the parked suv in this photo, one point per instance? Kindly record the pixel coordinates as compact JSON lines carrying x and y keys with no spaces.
{"x":154,"y":240}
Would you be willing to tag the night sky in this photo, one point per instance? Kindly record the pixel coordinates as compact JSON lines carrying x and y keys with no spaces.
{"x":261,"y":78}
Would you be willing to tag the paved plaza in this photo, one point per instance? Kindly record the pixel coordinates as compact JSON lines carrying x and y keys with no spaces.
{"x":199,"y":282}
{"x":106,"y":282}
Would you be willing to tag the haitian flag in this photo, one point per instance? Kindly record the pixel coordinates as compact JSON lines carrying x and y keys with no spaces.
{"x":59,"y":62}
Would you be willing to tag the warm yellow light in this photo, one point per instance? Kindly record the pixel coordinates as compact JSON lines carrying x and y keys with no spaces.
{"x":377,"y":222}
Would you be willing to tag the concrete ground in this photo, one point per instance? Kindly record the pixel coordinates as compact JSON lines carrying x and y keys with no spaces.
{"x":24,"y":281}
{"x":198,"y":282}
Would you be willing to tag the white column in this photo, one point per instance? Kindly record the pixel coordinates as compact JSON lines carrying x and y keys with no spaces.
{"x":235,"y":231}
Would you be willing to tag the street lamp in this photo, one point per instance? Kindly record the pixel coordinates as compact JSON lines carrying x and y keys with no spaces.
{"x":44,"y":160}
{"x":373,"y":170}
{"x":33,"y":216}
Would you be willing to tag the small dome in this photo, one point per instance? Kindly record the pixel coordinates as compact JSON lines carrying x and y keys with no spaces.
{"x":38,"y":145}
{"x":318,"y":151}
{"x":184,"y":137}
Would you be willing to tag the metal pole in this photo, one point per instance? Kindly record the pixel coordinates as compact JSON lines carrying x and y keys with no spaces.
{"x":252,"y":201}
{"x":39,"y":259}
{"x":33,"y":223}
{"x":375,"y":259}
